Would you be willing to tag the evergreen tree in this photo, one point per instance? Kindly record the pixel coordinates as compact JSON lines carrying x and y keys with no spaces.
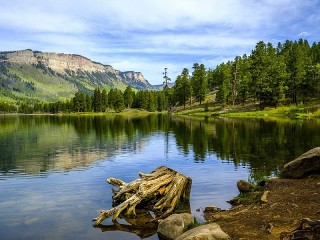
{"x":223,"y":78}
{"x":88,"y":103}
{"x":298,"y":63}
{"x":244,"y":78}
{"x":199,"y":82}
{"x":152,"y":101}
{"x":128,"y":96}
{"x":104,"y":100}
{"x":118,"y":101}
{"x":161,"y":100}
{"x":182,"y":88}
{"x":268,"y":74}
{"x":97,"y":100}
{"x":79,"y":103}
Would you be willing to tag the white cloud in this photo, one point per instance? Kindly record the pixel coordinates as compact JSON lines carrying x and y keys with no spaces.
{"x":148,"y":35}
{"x":304,"y":34}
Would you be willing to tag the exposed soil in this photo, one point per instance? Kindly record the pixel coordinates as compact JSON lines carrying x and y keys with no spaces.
{"x":288,"y":201}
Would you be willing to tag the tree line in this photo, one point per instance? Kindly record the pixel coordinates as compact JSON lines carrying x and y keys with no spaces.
{"x":287,"y":73}
{"x":101,"y":101}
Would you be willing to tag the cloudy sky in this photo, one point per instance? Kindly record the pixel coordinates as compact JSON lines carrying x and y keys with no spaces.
{"x":148,"y":35}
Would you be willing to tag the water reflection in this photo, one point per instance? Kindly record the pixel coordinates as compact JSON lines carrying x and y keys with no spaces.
{"x":38,"y":144}
{"x":54,"y":167}
{"x":142,"y":225}
{"x":264,"y":145}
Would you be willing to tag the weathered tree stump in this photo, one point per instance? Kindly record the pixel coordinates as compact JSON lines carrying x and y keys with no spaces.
{"x":160,"y":191}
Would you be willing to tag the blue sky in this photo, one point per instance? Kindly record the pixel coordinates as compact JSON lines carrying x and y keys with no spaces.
{"x":148,"y":35}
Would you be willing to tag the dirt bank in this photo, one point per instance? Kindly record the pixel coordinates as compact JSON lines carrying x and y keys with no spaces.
{"x":288,"y":201}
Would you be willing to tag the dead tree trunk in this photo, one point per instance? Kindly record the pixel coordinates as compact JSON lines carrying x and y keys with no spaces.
{"x":160,"y":191}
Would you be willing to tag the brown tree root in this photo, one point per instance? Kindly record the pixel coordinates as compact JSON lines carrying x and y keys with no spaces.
{"x":308,"y":230}
{"x":160,"y":191}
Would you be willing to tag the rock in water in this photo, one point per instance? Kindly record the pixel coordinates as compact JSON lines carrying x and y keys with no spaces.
{"x":205,"y":232}
{"x":308,"y":163}
{"x":244,"y":186}
{"x":175,"y":225}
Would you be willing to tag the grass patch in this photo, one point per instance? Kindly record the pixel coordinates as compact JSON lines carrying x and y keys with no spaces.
{"x":300,"y":111}
{"x":195,"y":224}
{"x":253,"y":196}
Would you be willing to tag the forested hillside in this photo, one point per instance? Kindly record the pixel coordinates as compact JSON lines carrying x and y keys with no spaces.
{"x":33,"y":77}
{"x":286,"y":74}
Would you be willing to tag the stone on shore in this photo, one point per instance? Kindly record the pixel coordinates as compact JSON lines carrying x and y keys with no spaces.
{"x":244,"y":186}
{"x":303,"y":166}
{"x":205,"y":232}
{"x":175,"y":225}
{"x":212,"y":208}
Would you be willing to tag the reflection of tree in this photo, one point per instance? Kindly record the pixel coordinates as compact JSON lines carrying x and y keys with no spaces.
{"x":141,"y":225}
{"x":182,"y":130}
{"x":36,"y":144}
{"x":200,"y":141}
{"x":265,"y":145}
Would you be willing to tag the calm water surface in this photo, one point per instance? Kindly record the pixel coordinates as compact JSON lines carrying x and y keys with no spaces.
{"x":53,"y":169}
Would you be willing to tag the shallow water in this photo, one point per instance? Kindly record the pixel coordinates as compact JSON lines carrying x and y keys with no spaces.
{"x":53,"y":169}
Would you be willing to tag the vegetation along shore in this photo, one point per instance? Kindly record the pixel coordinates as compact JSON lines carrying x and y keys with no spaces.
{"x":271,"y":81}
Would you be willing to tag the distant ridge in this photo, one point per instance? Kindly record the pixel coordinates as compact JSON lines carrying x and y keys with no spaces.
{"x":41,"y":76}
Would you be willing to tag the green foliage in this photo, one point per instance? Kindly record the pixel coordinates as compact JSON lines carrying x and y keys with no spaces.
{"x":128,"y":96}
{"x":79,"y":102}
{"x":222,"y":76}
{"x":272,"y":76}
{"x":268,"y":74}
{"x":182,"y":88}
{"x":199,"y":82}
{"x":97,"y":100}
{"x":7,"y":107}
{"x":116,"y":100}
{"x":25,"y":108}
{"x":206,"y":107}
{"x":195,"y":224}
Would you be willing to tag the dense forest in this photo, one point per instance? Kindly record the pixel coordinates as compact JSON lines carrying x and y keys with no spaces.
{"x":285,"y":74}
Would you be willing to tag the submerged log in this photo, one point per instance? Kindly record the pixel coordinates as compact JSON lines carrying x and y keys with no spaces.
{"x":160,"y":191}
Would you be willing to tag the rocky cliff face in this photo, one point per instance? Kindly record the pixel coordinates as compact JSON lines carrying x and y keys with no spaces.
{"x":69,"y":64}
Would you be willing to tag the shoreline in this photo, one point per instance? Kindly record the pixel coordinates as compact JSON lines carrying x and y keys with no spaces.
{"x":287,"y":202}
{"x":301,"y":111}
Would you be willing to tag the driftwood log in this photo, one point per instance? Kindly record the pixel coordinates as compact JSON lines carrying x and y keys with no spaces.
{"x":160,"y":191}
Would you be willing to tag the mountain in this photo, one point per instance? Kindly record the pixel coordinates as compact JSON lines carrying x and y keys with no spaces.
{"x":39,"y":76}
{"x":161,"y":86}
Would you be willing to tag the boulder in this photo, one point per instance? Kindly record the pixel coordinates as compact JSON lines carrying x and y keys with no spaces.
{"x":212,"y":208}
{"x":265,"y":196}
{"x":210,"y":231}
{"x":244,"y":186}
{"x":175,"y":225}
{"x":308,"y":163}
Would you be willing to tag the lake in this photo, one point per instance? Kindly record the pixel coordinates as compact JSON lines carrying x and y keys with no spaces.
{"x":53,"y":169}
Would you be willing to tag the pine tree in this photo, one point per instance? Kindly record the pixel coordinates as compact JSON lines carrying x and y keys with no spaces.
{"x":97,"y":100}
{"x":182,"y":88}
{"x":199,"y":82}
{"x":128,"y":96}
